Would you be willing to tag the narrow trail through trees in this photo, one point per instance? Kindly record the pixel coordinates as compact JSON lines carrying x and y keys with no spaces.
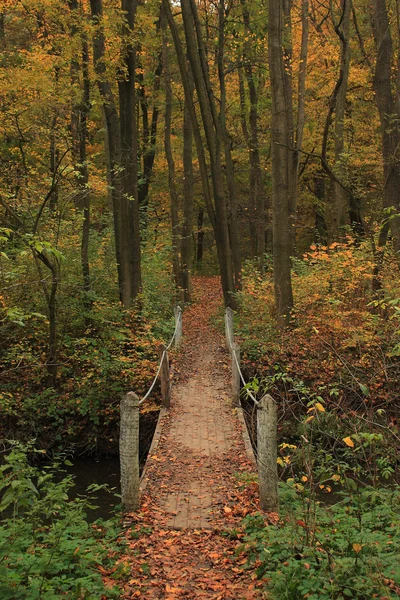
{"x":180,"y":545}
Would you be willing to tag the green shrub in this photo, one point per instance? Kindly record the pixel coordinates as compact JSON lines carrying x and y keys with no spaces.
{"x":47,"y":547}
{"x":348,"y":550}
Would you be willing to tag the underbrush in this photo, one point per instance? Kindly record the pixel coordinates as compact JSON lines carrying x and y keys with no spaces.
{"x":344,"y":334}
{"x":334,"y":375}
{"x":347,"y":550}
{"x":103,"y":351}
{"x":47,"y":547}
{"x":343,"y":345}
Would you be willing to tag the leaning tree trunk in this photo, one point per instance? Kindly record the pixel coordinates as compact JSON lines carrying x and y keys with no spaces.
{"x":213,"y":136}
{"x":217,"y":216}
{"x":281,"y":164}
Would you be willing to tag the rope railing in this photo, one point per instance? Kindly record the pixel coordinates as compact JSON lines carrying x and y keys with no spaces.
{"x":234,"y":352}
{"x":176,"y":336}
{"x":129,"y":423}
{"x":266,"y":409}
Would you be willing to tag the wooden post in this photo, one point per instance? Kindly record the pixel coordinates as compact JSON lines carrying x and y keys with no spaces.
{"x":129,"y":451}
{"x":229,"y":336}
{"x":178,"y":325}
{"x":164,"y":376}
{"x":235,"y":375}
{"x":267,"y":453}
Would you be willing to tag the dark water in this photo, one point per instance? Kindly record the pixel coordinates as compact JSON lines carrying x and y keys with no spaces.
{"x":105,"y":470}
{"x":87,"y":471}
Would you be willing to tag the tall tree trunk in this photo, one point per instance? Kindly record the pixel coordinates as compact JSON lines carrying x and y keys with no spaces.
{"x":188,"y":204}
{"x":230,"y":172}
{"x":130,"y":229}
{"x":218,"y":215}
{"x":79,"y":132}
{"x":54,"y":158}
{"x":257,"y":190}
{"x":170,"y":159}
{"x":122,"y":152}
{"x":213,"y":134}
{"x":188,"y":90}
{"x":301,"y":101}
{"x":282,"y":160}
{"x":200,"y":237}
{"x":389,"y":118}
{"x":149,"y":134}
{"x":340,"y":196}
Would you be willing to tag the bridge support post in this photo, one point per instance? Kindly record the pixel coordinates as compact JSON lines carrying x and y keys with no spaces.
{"x":178,"y":325}
{"x":164,"y":375}
{"x":129,"y":451}
{"x":267,"y":453}
{"x":235,"y":375}
{"x":229,"y":336}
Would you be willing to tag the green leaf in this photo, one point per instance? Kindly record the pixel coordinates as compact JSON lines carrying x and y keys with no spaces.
{"x":364,"y":389}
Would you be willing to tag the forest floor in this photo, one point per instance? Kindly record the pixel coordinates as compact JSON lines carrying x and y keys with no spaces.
{"x":185,"y":541}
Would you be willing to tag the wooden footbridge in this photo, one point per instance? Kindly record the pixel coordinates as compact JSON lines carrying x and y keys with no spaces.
{"x":201,"y":440}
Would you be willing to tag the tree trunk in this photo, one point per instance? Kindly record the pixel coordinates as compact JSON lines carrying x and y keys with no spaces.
{"x":257,"y":191}
{"x":113,"y":144}
{"x":213,"y":134}
{"x":301,"y":101}
{"x":340,"y":196}
{"x":79,"y":132}
{"x":230,"y":172}
{"x":170,"y":160}
{"x":188,"y":90}
{"x":122,"y":153}
{"x":188,"y":205}
{"x":149,"y":134}
{"x":200,"y":237}
{"x":389,"y":118}
{"x":281,"y":164}
{"x":130,"y":224}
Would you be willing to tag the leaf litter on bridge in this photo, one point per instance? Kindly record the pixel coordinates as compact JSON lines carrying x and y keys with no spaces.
{"x":171,"y":563}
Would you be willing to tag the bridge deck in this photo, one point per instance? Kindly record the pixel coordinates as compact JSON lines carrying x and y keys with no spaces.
{"x":194,"y":491}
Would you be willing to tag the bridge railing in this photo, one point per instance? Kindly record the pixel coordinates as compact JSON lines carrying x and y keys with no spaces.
{"x":129,"y":420}
{"x":267,"y":451}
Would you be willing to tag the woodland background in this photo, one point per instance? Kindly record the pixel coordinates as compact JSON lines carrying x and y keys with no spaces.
{"x":145,"y":142}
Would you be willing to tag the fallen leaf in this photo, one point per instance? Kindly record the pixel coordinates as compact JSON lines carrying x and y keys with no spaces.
{"x":348,"y":441}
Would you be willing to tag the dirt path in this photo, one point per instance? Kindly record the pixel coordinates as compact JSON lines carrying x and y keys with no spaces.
{"x":180,"y":542}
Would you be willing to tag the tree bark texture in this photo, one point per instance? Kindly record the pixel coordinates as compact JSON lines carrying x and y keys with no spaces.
{"x":257,"y":191}
{"x":130,"y":222}
{"x":79,"y":131}
{"x":389,"y":118}
{"x":213,"y":134}
{"x":188,"y":203}
{"x":230,"y":171}
{"x":281,"y":163}
{"x":170,"y":161}
{"x":340,"y":196}
{"x":122,"y":153}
